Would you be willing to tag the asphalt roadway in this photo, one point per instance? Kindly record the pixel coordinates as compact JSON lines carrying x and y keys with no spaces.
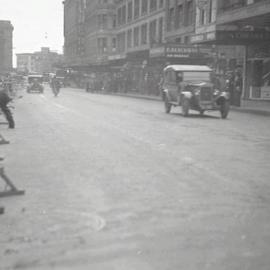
{"x":114,"y":183}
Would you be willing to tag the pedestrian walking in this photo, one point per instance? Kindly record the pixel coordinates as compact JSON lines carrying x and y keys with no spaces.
{"x":55,"y":85}
{"x":238,"y":85}
{"x":4,"y":100}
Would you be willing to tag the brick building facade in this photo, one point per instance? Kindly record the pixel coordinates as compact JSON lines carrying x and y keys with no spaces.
{"x":6,"y":39}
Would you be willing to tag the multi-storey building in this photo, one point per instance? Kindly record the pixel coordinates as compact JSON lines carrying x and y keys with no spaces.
{"x":74,"y":11}
{"x":180,"y":20}
{"x":135,"y":31}
{"x":244,"y":23}
{"x":25,"y":62}
{"x":44,"y":61}
{"x":6,"y":30}
{"x":139,"y":27}
{"x":100,"y":31}
{"x":89,"y":32}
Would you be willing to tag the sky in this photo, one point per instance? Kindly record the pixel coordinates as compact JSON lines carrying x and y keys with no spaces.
{"x":37,"y":23}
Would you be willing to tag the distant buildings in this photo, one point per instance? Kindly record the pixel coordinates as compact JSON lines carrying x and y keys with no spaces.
{"x":25,"y":62}
{"x":44,"y":61}
{"x":6,"y":31}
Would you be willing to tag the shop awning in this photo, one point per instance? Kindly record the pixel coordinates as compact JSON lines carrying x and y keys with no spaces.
{"x":231,"y":37}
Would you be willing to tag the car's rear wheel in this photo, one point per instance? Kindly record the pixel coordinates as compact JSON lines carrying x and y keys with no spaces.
{"x":167,"y":104}
{"x":224,"y":109}
{"x":185,"y":107}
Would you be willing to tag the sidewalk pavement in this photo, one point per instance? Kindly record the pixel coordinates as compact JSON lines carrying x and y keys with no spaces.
{"x":245,"y":108}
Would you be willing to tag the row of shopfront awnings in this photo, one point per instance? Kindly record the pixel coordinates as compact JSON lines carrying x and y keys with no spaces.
{"x":231,"y":37}
{"x":167,"y":51}
{"x":196,"y":48}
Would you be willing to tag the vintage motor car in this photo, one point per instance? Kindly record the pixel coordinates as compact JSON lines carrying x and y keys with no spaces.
{"x":35,"y":83}
{"x":191,"y":87}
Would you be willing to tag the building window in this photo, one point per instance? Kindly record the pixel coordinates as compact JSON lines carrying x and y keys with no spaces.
{"x":190,"y":12}
{"x":130,"y":7}
{"x":129,"y":38}
{"x":102,"y":45}
{"x":102,"y":21}
{"x":144,"y":7}
{"x":160,"y":32}
{"x":210,"y":16}
{"x":136,"y":36}
{"x":153,"y":5}
{"x":179,"y":16}
{"x":161,"y":3}
{"x":202,"y":17}
{"x":170,"y":19}
{"x":153,"y":32}
{"x":113,"y":44}
{"x":136,"y":9}
{"x":144,"y":34}
{"x":119,"y":16}
{"x":124,"y":11}
{"x":114,"y":21}
{"x":121,"y":42}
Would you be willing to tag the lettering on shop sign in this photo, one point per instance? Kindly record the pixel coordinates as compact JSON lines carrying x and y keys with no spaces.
{"x":243,"y":35}
{"x":181,"y":50}
{"x":178,"y":55}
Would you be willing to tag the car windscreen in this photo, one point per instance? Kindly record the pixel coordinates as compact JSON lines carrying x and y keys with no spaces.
{"x":196,"y":76}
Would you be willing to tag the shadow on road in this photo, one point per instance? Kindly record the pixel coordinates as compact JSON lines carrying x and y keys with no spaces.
{"x":196,"y":116}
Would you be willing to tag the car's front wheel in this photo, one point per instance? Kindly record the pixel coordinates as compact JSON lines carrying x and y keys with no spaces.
{"x":224,"y":109}
{"x":185,"y":107}
{"x":167,"y":104}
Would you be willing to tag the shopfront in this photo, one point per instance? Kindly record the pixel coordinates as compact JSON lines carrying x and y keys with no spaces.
{"x":256,"y":58}
{"x":258,"y":72}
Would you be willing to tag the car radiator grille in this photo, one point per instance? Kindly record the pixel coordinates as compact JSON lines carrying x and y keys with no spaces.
{"x":206,"y":94}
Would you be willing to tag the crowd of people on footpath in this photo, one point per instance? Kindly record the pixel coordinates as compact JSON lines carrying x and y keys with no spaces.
{"x":124,"y":82}
{"x":231,"y":82}
{"x":150,"y":83}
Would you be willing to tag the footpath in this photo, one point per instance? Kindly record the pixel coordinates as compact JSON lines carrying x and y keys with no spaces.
{"x":246,"y":107}
{"x":260,"y":108}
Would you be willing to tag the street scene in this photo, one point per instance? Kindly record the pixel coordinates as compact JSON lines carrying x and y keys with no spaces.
{"x":158,"y":192}
{"x":135,"y":134}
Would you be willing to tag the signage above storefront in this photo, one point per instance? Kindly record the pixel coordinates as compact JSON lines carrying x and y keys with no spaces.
{"x":176,"y":51}
{"x":116,"y":57}
{"x":232,"y":37}
{"x":247,"y":36}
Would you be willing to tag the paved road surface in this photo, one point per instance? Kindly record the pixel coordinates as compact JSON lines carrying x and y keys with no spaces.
{"x":114,"y":183}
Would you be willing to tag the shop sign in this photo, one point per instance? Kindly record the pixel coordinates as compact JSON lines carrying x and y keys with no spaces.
{"x":158,"y":51}
{"x":116,"y":57}
{"x":180,"y":51}
{"x":210,"y":36}
{"x":243,"y":36}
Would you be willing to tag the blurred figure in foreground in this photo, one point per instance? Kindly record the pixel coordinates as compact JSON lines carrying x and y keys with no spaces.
{"x":4,"y":100}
